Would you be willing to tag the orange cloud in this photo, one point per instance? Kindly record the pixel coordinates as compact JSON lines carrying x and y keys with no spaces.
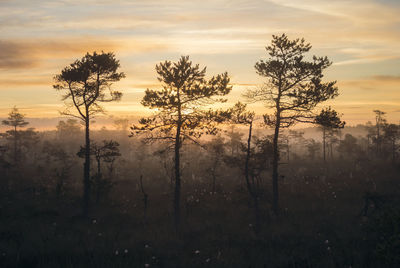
{"x":17,"y":81}
{"x":29,"y":53}
{"x":373,"y":83}
{"x":23,"y":53}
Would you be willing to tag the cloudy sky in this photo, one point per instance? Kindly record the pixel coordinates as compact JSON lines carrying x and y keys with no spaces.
{"x":39,"y":38}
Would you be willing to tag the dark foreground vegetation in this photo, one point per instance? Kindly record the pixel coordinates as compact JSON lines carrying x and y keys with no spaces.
{"x":341,"y":213}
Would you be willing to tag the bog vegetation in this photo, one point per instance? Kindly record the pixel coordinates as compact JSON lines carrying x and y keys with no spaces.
{"x":195,"y":186}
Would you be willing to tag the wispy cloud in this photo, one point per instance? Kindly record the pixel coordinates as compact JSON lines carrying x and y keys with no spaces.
{"x":362,"y":37}
{"x":26,"y":53}
{"x":384,"y":83}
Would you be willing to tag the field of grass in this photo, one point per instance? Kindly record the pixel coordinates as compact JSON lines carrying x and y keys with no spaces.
{"x":323,"y":223}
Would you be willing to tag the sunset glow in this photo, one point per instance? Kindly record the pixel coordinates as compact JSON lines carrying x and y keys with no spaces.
{"x":39,"y":38}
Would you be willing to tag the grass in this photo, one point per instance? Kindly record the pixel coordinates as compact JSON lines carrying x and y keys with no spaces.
{"x":320,"y":225}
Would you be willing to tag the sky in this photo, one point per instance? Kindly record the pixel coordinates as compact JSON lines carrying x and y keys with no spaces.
{"x":39,"y":38}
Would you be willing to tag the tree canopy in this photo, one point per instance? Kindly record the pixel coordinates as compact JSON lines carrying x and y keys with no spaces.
{"x":87,"y":82}
{"x":183,"y":101}
{"x":329,"y":118}
{"x":182,"y":109}
{"x":294,"y":85}
{"x":293,"y":88}
{"x":15,"y":119}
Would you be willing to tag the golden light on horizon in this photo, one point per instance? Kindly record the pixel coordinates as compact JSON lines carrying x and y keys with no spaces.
{"x":38,"y":40}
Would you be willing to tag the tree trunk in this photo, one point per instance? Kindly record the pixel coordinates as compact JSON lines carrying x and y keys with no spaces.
{"x":251,"y":188}
{"x":86,"y":168}
{"x":177,"y":194}
{"x":378,"y":138}
{"x":98,"y":166}
{"x":145,"y":200}
{"x":393,"y":150}
{"x":111,"y":169}
{"x":15,"y":145}
{"x":214,"y":175}
{"x":98,"y":180}
{"x":246,"y":167}
{"x":275,"y":189}
{"x":324,"y":142}
{"x":213,"y":183}
{"x":257,"y":226}
{"x":368,"y":147}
